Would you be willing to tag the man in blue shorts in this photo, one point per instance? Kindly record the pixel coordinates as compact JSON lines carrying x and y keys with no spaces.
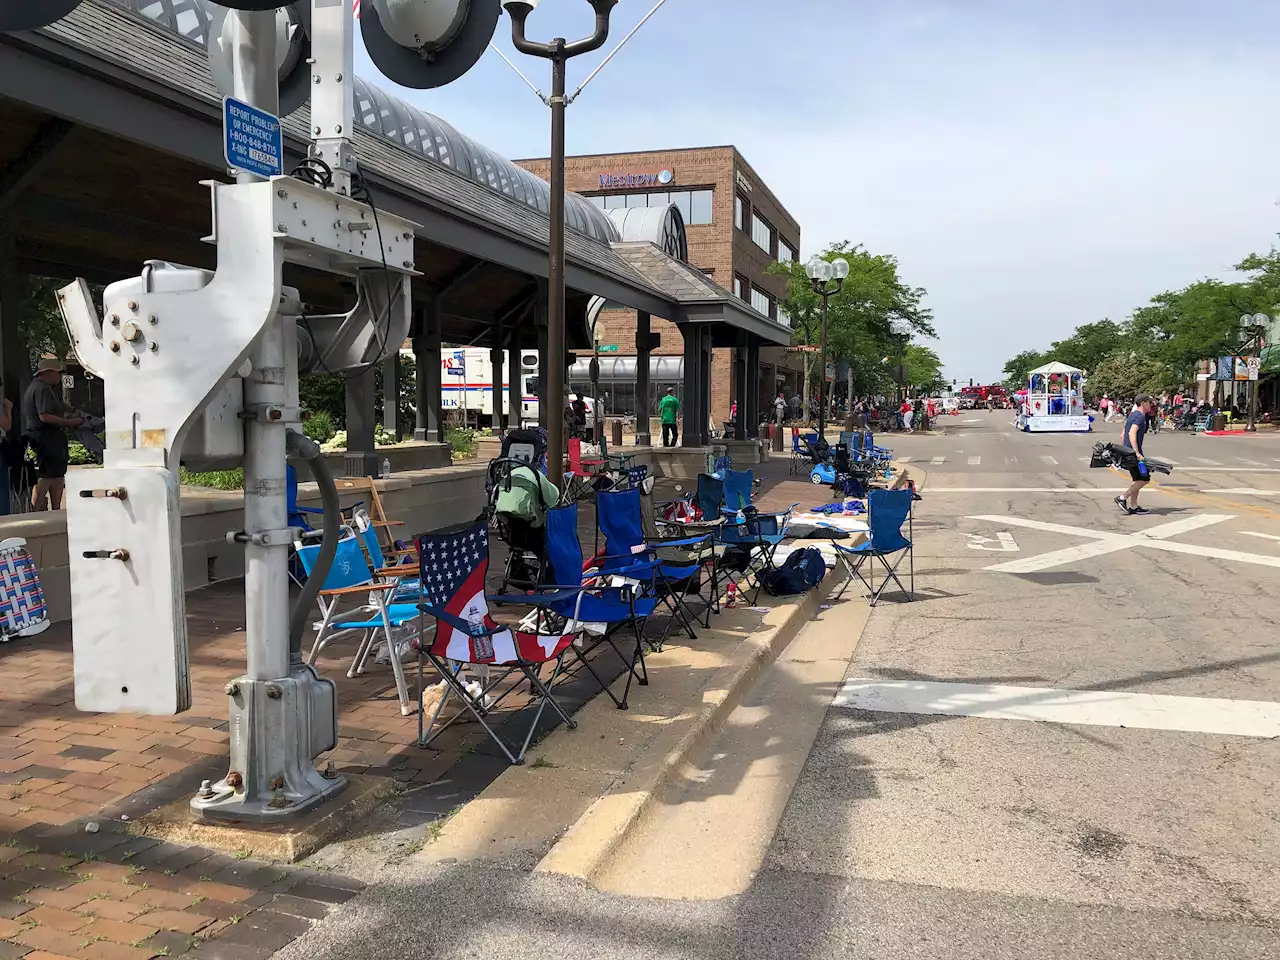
{"x":1135,"y":431}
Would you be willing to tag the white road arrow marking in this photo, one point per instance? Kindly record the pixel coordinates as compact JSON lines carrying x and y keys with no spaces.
{"x":1106,"y":542}
{"x":1004,"y":542}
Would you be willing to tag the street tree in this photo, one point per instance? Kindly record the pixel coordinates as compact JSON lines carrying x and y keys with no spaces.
{"x":862,"y":316}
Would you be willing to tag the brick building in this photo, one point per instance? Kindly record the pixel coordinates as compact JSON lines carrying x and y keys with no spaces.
{"x":736,"y":227}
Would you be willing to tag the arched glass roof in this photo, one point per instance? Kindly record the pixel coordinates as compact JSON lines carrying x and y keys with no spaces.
{"x":663,"y":226}
{"x":387,"y":116}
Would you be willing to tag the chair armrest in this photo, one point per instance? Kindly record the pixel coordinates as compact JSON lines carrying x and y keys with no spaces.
{"x":359,"y":588}
{"x":399,"y":572}
{"x":542,"y":597}
{"x":660,"y":542}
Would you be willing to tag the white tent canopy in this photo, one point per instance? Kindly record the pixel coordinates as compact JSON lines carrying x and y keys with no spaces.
{"x":1055,"y":367}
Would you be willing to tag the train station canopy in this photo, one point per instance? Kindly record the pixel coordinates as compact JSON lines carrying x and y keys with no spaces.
{"x":112,"y":119}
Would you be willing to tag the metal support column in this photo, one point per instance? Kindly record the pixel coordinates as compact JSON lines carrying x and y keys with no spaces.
{"x":753,"y":413}
{"x":644,"y":350}
{"x":362,"y":457}
{"x":704,"y":357}
{"x":430,"y":397}
{"x":694,"y":386}
{"x":391,"y":396}
{"x":14,"y":363}
{"x":740,"y":374}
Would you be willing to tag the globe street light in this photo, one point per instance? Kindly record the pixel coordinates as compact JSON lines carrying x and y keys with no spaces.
{"x":827,"y":277}
{"x":1254,"y":327}
{"x":558,"y":51}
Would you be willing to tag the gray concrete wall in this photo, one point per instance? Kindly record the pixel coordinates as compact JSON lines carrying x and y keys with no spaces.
{"x":424,"y":499}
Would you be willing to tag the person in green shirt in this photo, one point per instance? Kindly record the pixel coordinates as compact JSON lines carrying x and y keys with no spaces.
{"x":668,"y":407}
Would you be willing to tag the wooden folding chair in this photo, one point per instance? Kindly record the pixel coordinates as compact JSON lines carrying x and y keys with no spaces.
{"x":367,"y":487}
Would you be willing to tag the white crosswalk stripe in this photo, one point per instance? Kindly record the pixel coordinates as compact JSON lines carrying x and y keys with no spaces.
{"x":937,"y":460}
{"x":1010,"y":459}
{"x":1207,"y":463}
{"x":975,"y":461}
{"x":1252,"y":463}
{"x":1050,"y":461}
{"x":904,"y":459}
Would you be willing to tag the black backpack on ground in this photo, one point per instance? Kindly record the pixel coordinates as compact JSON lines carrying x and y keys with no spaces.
{"x":800,"y":572}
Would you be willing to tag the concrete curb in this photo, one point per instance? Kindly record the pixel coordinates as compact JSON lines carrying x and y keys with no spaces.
{"x":589,"y":843}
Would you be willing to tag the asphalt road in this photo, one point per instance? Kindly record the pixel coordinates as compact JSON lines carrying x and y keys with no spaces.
{"x":934,"y":832}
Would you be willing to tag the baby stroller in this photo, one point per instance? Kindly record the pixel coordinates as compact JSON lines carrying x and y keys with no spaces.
{"x":518,"y":497}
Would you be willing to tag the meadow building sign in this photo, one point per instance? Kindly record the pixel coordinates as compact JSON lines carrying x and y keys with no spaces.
{"x":622,"y":180}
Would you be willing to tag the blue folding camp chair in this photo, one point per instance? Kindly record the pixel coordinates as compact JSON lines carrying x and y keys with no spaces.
{"x":710,"y":496}
{"x":374,"y":619}
{"x":749,"y":546}
{"x":798,"y":456}
{"x":453,"y":569}
{"x":887,"y":511}
{"x":297,"y":514}
{"x":404,"y":575}
{"x":739,"y":487}
{"x":674,"y":575}
{"x":585,"y":602}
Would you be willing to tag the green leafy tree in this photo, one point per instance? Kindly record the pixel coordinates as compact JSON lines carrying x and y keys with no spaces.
{"x":1202,"y":320}
{"x":923,"y":368}
{"x":40,"y":326}
{"x":861,"y":315}
{"x":1016,"y":369}
{"x":1090,"y":344}
{"x":1127,"y":373}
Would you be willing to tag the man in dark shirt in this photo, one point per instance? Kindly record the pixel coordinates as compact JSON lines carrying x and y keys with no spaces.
{"x":43,"y":425}
{"x":1135,"y":431}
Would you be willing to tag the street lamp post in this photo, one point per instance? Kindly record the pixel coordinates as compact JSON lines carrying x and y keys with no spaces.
{"x":827,"y":277}
{"x":901,"y":331}
{"x":558,"y":51}
{"x":1255,"y":327}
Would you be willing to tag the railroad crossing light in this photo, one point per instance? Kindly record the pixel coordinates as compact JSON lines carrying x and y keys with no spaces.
{"x":293,"y":49}
{"x":33,"y":14}
{"x":427,"y":43}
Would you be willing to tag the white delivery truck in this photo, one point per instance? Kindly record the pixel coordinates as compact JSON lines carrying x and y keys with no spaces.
{"x":466,"y":383}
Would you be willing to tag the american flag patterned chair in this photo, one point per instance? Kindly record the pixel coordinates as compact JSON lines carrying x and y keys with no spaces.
{"x":453,"y":568}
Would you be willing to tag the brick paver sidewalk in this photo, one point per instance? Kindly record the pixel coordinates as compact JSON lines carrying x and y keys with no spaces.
{"x":111,"y":896}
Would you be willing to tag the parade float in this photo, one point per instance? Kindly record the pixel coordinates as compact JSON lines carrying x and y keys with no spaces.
{"x":1053,"y":401}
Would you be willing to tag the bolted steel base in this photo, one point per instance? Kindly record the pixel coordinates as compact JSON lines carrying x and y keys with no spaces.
{"x":278,"y":728}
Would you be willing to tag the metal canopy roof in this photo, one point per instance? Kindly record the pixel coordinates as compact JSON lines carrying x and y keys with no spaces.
{"x":130,"y":82}
{"x":382,"y":113}
{"x":701,"y":299}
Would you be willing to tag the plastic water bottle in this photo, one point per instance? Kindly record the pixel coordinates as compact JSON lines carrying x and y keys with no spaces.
{"x":386,"y":466}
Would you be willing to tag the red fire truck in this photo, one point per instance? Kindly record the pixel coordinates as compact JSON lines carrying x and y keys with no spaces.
{"x":993,"y":396}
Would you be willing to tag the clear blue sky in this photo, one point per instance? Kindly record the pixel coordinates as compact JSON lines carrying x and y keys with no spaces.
{"x":1033,"y":164}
